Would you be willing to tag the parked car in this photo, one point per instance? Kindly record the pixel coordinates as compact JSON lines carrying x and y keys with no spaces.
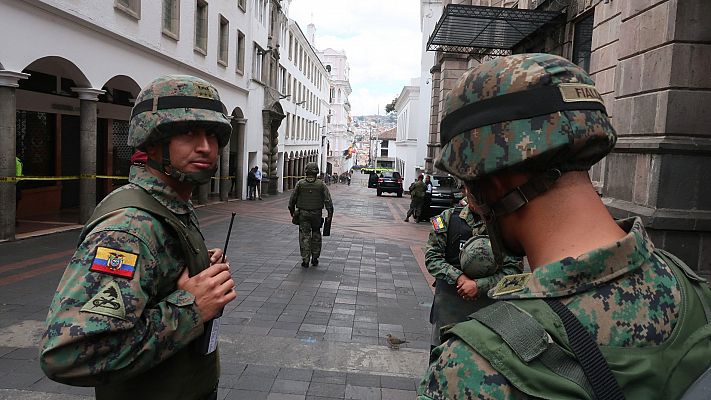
{"x":445,"y":194}
{"x":390,"y":182}
{"x":373,"y":180}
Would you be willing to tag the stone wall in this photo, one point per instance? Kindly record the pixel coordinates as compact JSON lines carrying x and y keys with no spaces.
{"x":662,"y":111}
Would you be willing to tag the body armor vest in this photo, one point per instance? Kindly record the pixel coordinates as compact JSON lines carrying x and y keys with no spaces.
{"x":458,"y":232}
{"x":310,"y":196}
{"x":188,"y":374}
{"x":448,"y":307}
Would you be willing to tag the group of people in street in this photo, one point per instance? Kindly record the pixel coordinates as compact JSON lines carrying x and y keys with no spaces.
{"x":594,"y":312}
{"x":420,"y":195}
{"x":254,"y":184}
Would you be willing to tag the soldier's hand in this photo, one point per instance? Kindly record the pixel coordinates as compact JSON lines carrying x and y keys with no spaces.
{"x":212,"y":288}
{"x":330,"y":216}
{"x":466,"y":287}
{"x":215,"y":255}
{"x":291,"y":212}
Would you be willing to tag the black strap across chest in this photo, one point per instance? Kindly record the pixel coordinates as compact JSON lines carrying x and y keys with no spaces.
{"x":594,"y":365}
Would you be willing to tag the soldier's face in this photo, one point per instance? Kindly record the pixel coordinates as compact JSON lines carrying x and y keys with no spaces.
{"x":193,"y":151}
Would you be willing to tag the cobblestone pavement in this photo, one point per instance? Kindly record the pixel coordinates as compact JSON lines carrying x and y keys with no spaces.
{"x":293,"y":333}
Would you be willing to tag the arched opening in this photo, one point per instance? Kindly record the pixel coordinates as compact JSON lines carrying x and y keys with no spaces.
{"x":113,"y":156}
{"x":47,"y":140}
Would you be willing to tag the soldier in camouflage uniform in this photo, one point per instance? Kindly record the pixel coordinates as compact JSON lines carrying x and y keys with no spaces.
{"x":129,"y":313}
{"x":460,"y":259}
{"x":522,"y":132}
{"x":309,"y":197}
{"x":417,"y":197}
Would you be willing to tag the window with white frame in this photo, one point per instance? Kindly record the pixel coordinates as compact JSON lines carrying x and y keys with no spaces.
{"x":201,"y":26}
{"x":130,"y":7}
{"x":224,"y":41}
{"x":240,"y":52}
{"x":242,"y":5}
{"x":170,"y":25}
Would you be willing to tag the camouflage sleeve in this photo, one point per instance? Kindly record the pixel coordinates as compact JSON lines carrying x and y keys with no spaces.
{"x":459,"y":372}
{"x":435,"y":262}
{"x":327,"y":201}
{"x":293,"y":197}
{"x":512,"y":265}
{"x":103,"y":328}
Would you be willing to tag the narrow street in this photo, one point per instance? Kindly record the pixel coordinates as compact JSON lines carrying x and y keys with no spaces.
{"x":293,"y":333}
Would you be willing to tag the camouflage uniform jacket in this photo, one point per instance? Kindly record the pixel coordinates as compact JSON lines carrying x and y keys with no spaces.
{"x":622,"y":294}
{"x":89,"y":345}
{"x":438,"y":266}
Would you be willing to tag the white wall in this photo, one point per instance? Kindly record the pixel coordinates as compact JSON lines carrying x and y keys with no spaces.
{"x":430,"y":13}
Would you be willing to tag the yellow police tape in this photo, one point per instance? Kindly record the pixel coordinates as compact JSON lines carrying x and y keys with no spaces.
{"x":57,"y":178}
{"x":77,"y":177}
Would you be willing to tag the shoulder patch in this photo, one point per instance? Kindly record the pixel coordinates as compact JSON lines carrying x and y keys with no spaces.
{"x":511,"y":284}
{"x":438,"y":224}
{"x":108,"y":301}
{"x":114,"y":262}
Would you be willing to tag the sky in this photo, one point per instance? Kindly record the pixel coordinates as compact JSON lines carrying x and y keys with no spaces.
{"x":381,"y":39}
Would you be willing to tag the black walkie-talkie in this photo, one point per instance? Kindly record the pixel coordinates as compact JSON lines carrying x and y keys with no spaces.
{"x":211,"y":330}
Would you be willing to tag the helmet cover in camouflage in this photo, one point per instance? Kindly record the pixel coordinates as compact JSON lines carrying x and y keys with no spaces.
{"x":555,"y":118}
{"x":477,"y":258}
{"x":311,"y":169}
{"x":174,"y":100}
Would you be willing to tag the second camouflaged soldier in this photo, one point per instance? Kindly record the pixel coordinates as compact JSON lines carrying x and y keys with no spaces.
{"x":460,"y":258}
{"x":306,"y":203}
{"x":603,"y":314}
{"x":129,"y":313}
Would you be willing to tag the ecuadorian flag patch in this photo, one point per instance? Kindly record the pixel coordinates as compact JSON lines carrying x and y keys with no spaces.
{"x":438,"y":224}
{"x":114,"y":262}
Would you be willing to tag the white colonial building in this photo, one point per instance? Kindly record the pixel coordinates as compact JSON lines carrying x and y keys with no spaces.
{"x":71,"y":69}
{"x":339,"y":134}
{"x":410,"y":131}
{"x":304,"y":85}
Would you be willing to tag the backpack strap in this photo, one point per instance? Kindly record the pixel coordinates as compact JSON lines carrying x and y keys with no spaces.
{"x":528,"y":340}
{"x":594,"y":365}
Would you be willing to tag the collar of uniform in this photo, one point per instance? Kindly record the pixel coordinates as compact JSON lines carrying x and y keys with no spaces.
{"x":470,"y":217}
{"x":572,"y":275}
{"x":160,"y":190}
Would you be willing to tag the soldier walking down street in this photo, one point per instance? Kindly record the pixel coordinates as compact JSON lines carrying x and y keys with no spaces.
{"x":306,"y":203}
{"x":417,"y":194}
{"x":460,"y":258}
{"x":603,"y":314}
{"x":130,"y":312}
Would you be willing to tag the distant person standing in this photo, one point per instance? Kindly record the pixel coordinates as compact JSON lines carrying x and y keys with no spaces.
{"x":18,"y":190}
{"x":258,"y":182}
{"x":417,"y":193}
{"x":427,"y":200}
{"x":251,"y":179}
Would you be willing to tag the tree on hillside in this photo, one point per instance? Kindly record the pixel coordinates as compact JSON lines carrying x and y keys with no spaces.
{"x":390,"y":107}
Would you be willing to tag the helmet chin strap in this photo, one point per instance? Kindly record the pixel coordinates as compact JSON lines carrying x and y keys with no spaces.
{"x":512,"y":201}
{"x":191,"y":178}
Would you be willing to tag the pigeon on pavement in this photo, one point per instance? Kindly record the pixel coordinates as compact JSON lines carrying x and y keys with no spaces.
{"x":394,"y":342}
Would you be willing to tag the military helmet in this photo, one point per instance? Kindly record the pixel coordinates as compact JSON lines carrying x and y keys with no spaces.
{"x":534,"y":111}
{"x":477,"y":258}
{"x":177,"y":101}
{"x":311,"y":169}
